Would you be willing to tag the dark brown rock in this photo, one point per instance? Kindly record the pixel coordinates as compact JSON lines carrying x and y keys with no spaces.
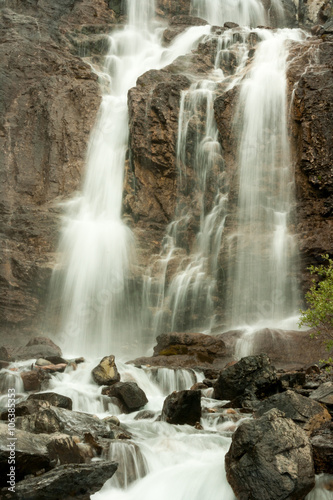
{"x":50,"y":419}
{"x":129,"y":393}
{"x":305,"y":412}
{"x":106,"y":372}
{"x":32,"y":380}
{"x":65,"y":482}
{"x":270,"y":458}
{"x":252,"y":374}
{"x":322,"y":445}
{"x":54,"y":399}
{"x":183,"y":407}
{"x":36,"y":452}
{"x":324,"y":394}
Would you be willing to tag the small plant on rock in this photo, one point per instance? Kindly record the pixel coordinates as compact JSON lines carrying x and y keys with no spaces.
{"x":319,"y":298}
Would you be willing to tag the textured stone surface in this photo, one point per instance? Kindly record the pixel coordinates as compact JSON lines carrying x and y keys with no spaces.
{"x":54,"y":399}
{"x":106,"y":372}
{"x":130,"y":394}
{"x":305,"y":412}
{"x":183,"y":407}
{"x":48,"y":102}
{"x":65,"y":482}
{"x":252,"y":374}
{"x":270,"y":458}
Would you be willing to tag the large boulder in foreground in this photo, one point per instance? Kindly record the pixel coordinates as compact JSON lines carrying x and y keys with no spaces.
{"x":252,"y":374}
{"x":106,"y":372}
{"x":131,"y":396}
{"x":182,"y":407}
{"x":270,"y":458}
{"x":34,"y":453}
{"x":65,"y":482}
{"x":305,"y":412}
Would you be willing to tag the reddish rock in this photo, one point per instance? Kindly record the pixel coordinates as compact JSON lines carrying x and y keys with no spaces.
{"x":32,"y":380}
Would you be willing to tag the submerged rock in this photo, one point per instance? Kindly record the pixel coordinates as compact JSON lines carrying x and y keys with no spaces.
{"x":106,"y":372}
{"x":130,"y":395}
{"x":64,"y":482}
{"x":183,"y":407}
{"x":270,"y":458}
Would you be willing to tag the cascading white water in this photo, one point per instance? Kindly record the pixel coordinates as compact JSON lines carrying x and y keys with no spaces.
{"x":217,"y":12}
{"x":263,"y":279}
{"x":168,"y":461}
{"x":187,"y":302}
{"x":96,"y":247}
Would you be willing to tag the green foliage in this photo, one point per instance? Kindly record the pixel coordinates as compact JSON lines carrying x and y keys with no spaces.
{"x":319,"y":298}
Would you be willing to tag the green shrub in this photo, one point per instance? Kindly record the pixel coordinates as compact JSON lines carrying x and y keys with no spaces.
{"x":319,"y":298}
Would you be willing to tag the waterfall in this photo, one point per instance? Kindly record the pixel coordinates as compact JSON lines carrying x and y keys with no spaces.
{"x":97,"y":249}
{"x":217,"y":12}
{"x":263,"y":278}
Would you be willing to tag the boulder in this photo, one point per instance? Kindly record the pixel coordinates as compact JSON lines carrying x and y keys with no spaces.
{"x":305,"y":412}
{"x":34,"y":453}
{"x":324,"y":394}
{"x":270,"y":458}
{"x":54,"y":399}
{"x":51,"y":419}
{"x":129,"y":394}
{"x":182,"y":407}
{"x":106,"y":373}
{"x":186,"y":350}
{"x":32,"y":380}
{"x":322,"y":446}
{"x":252,"y":374}
{"x":65,"y":482}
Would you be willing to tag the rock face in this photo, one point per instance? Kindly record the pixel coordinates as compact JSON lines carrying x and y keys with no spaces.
{"x":270,"y":458}
{"x":183,"y":407}
{"x":48,"y":104}
{"x":106,"y":373}
{"x":65,"y":482}
{"x":132,"y":398}
{"x":252,"y":374}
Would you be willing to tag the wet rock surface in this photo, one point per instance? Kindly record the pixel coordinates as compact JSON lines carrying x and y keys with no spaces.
{"x":65,"y":482}
{"x":183,"y":407}
{"x":305,"y":412}
{"x":186,"y":350}
{"x":106,"y":372}
{"x":252,"y":374}
{"x":130,"y":395}
{"x":270,"y":458}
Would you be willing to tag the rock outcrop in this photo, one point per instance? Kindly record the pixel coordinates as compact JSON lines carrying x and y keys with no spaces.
{"x":49,"y":100}
{"x":270,"y":458}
